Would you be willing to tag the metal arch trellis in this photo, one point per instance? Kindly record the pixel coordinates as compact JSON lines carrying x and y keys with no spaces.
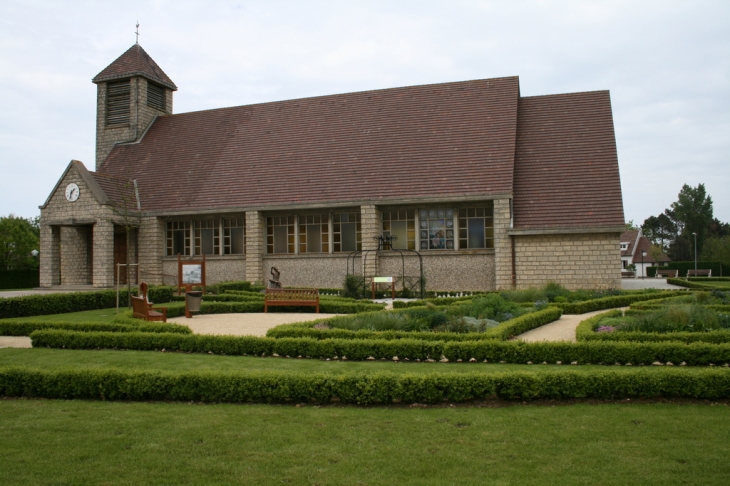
{"x":385,"y":243}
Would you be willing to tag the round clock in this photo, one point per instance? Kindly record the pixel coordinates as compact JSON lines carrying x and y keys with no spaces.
{"x":72,"y":192}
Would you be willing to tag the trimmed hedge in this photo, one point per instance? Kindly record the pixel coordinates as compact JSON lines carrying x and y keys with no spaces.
{"x":586,"y":332}
{"x":692,"y":285}
{"x":591,"y":352}
{"x":39,"y":305}
{"x":357,"y":388}
{"x":610,"y":302}
{"x":19,"y":279}
{"x":25,"y":328}
{"x":506,"y":330}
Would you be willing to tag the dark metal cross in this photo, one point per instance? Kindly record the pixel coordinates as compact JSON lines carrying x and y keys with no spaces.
{"x":136,"y":32}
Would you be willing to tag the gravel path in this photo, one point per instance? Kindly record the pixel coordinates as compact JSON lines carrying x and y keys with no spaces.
{"x":561,"y":330}
{"x":250,"y":324}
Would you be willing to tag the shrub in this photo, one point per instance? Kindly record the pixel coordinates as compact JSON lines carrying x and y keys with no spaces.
{"x":354,"y":286}
{"x":25,"y":328}
{"x":357,"y":388}
{"x":19,"y":279}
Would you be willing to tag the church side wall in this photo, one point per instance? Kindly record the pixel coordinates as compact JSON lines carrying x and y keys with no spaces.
{"x":575,"y":261}
{"x":445,"y":271}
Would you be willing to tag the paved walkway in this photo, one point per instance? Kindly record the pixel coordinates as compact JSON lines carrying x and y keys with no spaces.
{"x":250,"y":324}
{"x":14,"y":342}
{"x":561,"y":330}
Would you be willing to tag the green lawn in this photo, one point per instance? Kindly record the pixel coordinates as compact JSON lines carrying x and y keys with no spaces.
{"x":79,"y":442}
{"x":63,"y":358}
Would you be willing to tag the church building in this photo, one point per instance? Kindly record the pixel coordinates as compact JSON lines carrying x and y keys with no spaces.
{"x":494,"y":190}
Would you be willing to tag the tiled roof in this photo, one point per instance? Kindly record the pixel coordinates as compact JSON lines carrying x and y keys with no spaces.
{"x":566,"y":165}
{"x":630,"y":238}
{"x":645,"y":245}
{"x":119,"y":190}
{"x":135,"y":62}
{"x":452,"y":139}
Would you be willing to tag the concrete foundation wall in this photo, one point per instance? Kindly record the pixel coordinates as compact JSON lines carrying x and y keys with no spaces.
{"x":575,"y":261}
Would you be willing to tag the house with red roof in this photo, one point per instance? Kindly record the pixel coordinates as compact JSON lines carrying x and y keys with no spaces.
{"x":487,"y":188}
{"x":636,"y":250}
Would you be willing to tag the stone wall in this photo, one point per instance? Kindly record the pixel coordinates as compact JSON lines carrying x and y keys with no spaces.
{"x":372,"y":226}
{"x":76,"y":269}
{"x":255,"y":231}
{"x":575,"y":261}
{"x":502,"y":244}
{"x":317,"y":271}
{"x":59,"y":220}
{"x":217,"y":269}
{"x":151,"y":241}
{"x":446,"y":270}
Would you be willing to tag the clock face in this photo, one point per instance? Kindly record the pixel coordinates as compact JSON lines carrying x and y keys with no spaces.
{"x":72,"y":192}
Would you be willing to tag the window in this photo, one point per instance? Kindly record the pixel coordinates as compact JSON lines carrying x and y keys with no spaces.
{"x":402,"y":225}
{"x":117,"y":103}
{"x":476,"y":227}
{"x":346,"y":232}
{"x":436,"y":228}
{"x":207,"y":237}
{"x":178,"y":238}
{"x":280,"y":234}
{"x":234,"y":236}
{"x":314,"y":233}
{"x":155,"y":96}
{"x":624,"y":246}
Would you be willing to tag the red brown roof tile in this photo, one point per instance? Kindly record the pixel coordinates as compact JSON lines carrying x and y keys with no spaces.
{"x":135,"y":62}
{"x":566,"y":165}
{"x":452,"y":139}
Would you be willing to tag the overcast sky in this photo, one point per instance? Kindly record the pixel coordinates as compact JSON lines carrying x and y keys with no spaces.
{"x":666,"y":64}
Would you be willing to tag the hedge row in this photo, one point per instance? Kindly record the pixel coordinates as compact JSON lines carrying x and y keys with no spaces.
{"x":19,"y":279}
{"x":586,"y":332}
{"x":610,"y":302}
{"x":506,"y":330}
{"x":38,"y":305}
{"x":358,"y":388}
{"x":25,"y":328}
{"x":690,"y":285}
{"x":591,"y":352}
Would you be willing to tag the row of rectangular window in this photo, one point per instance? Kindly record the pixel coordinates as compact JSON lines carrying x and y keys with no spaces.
{"x":438,"y":229}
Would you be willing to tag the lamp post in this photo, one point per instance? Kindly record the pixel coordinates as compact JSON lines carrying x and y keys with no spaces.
{"x":643,"y":269}
{"x":695,"y":252}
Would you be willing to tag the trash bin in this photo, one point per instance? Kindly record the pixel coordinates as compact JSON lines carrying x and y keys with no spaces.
{"x":192,"y":300}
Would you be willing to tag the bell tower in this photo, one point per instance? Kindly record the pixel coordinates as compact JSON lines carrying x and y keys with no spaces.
{"x":131,"y":92}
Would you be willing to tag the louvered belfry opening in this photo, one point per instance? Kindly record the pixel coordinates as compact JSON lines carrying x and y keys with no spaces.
{"x":117,"y":103}
{"x":155,"y":96}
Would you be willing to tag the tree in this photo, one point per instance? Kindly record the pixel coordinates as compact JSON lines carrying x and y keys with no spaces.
{"x":630,"y":225}
{"x":716,"y":250}
{"x":692,"y":212}
{"x":656,"y":252}
{"x":18,"y":238}
{"x":660,"y":230}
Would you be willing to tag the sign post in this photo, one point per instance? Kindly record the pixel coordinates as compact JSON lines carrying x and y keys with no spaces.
{"x":190,"y":273}
{"x":389,"y":280}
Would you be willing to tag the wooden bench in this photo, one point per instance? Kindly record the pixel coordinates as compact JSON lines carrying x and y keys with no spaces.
{"x":627,"y":274}
{"x":699,"y":273}
{"x":293,"y":297}
{"x":667,"y":273}
{"x":142,"y":310}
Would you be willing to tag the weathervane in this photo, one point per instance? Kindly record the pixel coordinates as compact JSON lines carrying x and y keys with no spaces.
{"x":136,"y":32}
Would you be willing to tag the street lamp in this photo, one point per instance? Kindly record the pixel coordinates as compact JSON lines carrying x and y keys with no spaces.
{"x":34,"y":253}
{"x":695,"y":252}
{"x":643,"y":269}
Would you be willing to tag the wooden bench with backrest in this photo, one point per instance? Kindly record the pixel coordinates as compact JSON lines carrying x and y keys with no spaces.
{"x":667,"y":272}
{"x":142,"y":309}
{"x":291,"y":297}
{"x":699,"y":273}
